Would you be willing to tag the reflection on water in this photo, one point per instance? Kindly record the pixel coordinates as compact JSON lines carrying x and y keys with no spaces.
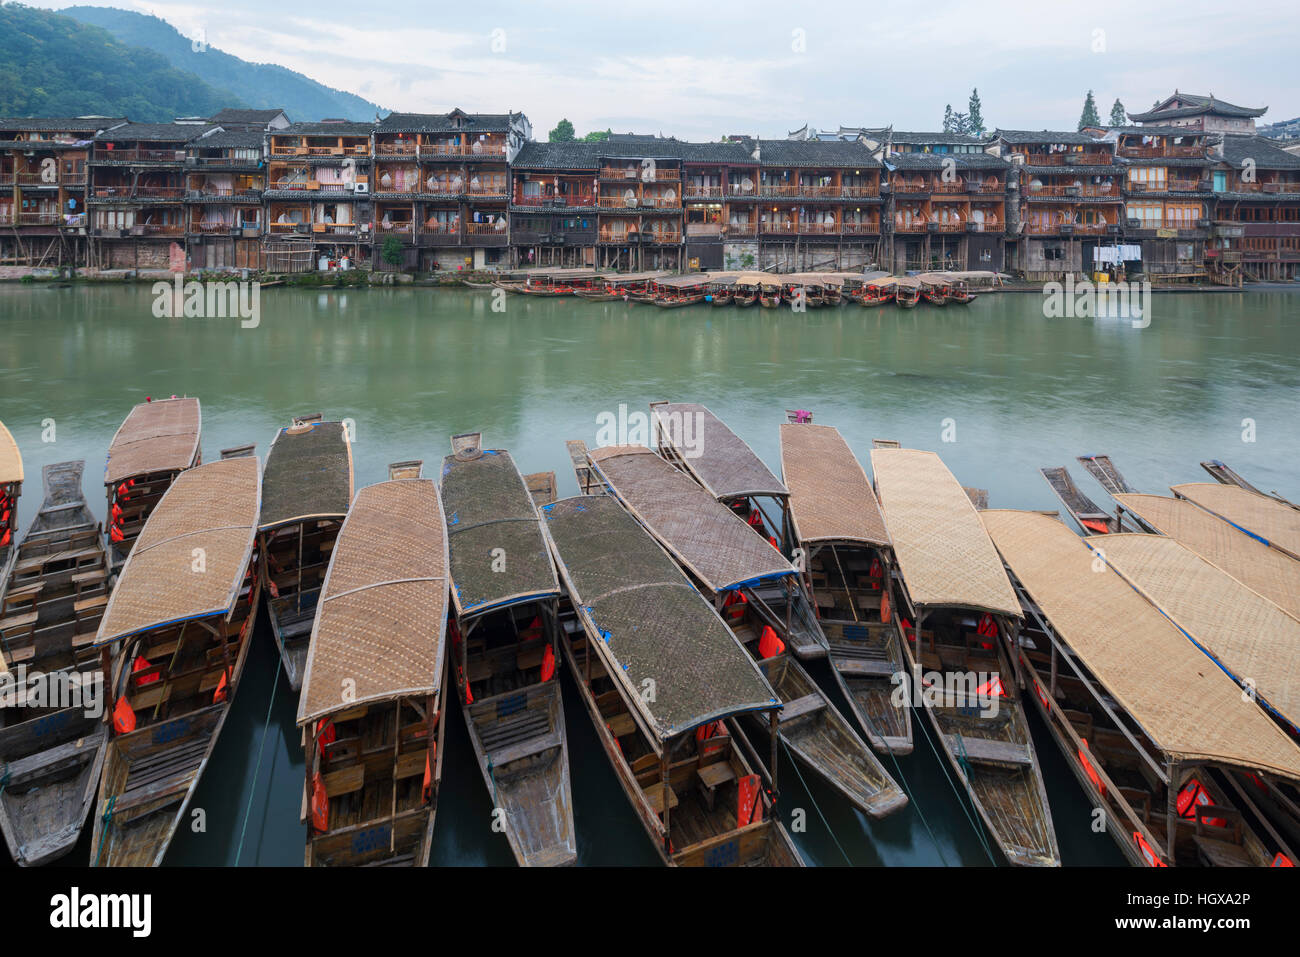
{"x":413,"y":366}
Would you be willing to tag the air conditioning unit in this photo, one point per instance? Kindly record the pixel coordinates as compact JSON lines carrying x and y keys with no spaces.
{"x":360,"y":187}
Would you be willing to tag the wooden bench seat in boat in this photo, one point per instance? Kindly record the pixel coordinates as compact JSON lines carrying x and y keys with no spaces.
{"x":346,"y":780}
{"x":36,"y":766}
{"x":296,"y":623}
{"x":87,"y":605}
{"x":799,"y":707}
{"x":864,"y":667}
{"x":523,"y":749}
{"x":17,"y":625}
{"x":621,"y":724}
{"x":1217,"y":853}
{"x":160,"y":775}
{"x":26,"y":595}
{"x":985,"y":749}
{"x":654,"y":794}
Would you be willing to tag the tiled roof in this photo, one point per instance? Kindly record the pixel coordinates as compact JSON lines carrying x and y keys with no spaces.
{"x":1265,"y":155}
{"x":580,"y":155}
{"x":246,"y":117}
{"x":1197,"y":105}
{"x":1029,"y":137}
{"x":935,"y":139}
{"x":158,"y":132}
{"x":443,"y":122}
{"x":342,"y":128}
{"x":932,"y":161}
{"x":1152,"y":130}
{"x":815,"y":153}
{"x":243,"y":138}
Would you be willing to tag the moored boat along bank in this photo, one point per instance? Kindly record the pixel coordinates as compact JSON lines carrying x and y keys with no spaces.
{"x":1188,"y":194}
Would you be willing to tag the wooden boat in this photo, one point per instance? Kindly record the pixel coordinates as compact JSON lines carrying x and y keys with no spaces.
{"x":1103,"y":470}
{"x":907,"y":292}
{"x":673,"y":292}
{"x":1226,"y":475}
{"x":620,"y":286}
{"x":158,"y":441}
{"x":508,"y":285}
{"x":179,"y":620}
{"x":832,"y":289}
{"x":1246,"y":635}
{"x":878,"y":292}
{"x":744,"y":292}
{"x":1141,"y":720}
{"x":558,"y":282}
{"x":505,"y":643}
{"x":700,"y":444}
{"x":1268,"y":571}
{"x":11,"y":487}
{"x":719,"y":294}
{"x":769,"y":292}
{"x":52,"y":751}
{"x":808,"y":290}
{"x":479,"y":285}
{"x":934,"y":289}
{"x":306,"y":490}
{"x":688,"y":772}
{"x":743,"y":576}
{"x":1086,"y":513}
{"x":1272,"y":522}
{"x":971,"y":611}
{"x":959,"y":292}
{"x":848,"y":561}
{"x":374,"y":757}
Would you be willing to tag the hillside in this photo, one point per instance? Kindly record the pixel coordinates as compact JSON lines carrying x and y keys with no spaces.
{"x":256,"y":85}
{"x":52,"y":65}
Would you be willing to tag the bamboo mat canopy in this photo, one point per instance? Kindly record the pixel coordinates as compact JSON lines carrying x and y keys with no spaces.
{"x":308,"y":474}
{"x":1251,"y":562}
{"x":655,"y":625}
{"x":166,"y":578}
{"x":622,"y":277}
{"x":1251,"y":637}
{"x":830,"y":497}
{"x":488,"y":507}
{"x":944,"y":553}
{"x":1255,"y":514}
{"x":757,"y":279}
{"x":685,"y":282}
{"x":1191,"y":710}
{"x":716,"y":456}
{"x":382,"y":617}
{"x":707,"y":537}
{"x":157,"y":436}
{"x":11,"y":460}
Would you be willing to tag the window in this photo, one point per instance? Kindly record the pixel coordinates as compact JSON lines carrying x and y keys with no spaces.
{"x":1148,"y":215}
{"x":1147,"y":177}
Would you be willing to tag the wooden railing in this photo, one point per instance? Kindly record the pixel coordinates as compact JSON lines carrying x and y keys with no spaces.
{"x":408,"y":148}
{"x":858,"y":192}
{"x":913,"y":226}
{"x":637,"y":173}
{"x":163,"y":229}
{"x":860,"y":229}
{"x":142,"y":155}
{"x":1059,"y":159}
{"x":439,"y":228}
{"x":702,"y":192}
{"x":567,"y":199}
{"x":485,"y":229}
{"x":1034,"y":192}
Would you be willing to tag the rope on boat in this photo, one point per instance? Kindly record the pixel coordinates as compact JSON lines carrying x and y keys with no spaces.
{"x":816,"y":806}
{"x":106,"y":819}
{"x":962,"y":798}
{"x":911,"y":799}
{"x":266,"y":727}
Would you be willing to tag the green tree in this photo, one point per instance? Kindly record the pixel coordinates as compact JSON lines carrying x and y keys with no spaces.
{"x":960,"y":123}
{"x":947,"y":118}
{"x":563,"y":133}
{"x":976,"y":123}
{"x":597,"y":136}
{"x":392,"y":252}
{"x":1117,"y":114}
{"x":1089,"y":116}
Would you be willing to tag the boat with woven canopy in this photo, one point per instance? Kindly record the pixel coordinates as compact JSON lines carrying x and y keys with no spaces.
{"x":955,"y":589}
{"x":633,"y":623}
{"x":178,"y":620}
{"x":158,"y":440}
{"x":673,"y":292}
{"x":744,"y":290}
{"x":1267,"y":571}
{"x":619,"y":286}
{"x":718,"y":291}
{"x":769,"y":291}
{"x":848,"y":562}
{"x":877,"y":292}
{"x":371,"y":702}
{"x":52,"y":751}
{"x":907,"y":291}
{"x":306,"y":490}
{"x":504,"y":645}
{"x":741,"y":574}
{"x":11,"y":486}
{"x":807,"y":290}
{"x":1147,"y":725}
{"x":557,"y":282}
{"x":934,"y":288}
{"x":1272,"y":522}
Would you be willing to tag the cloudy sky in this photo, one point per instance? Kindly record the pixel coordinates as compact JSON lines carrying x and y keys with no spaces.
{"x":703,"y":68}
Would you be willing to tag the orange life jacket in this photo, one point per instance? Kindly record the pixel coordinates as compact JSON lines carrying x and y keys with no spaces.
{"x":117,"y":512}
{"x":769,"y":644}
{"x":1148,"y":855}
{"x":1095,"y":524}
{"x":123,"y":490}
{"x":875,"y":571}
{"x":320,"y":805}
{"x":886,"y":610}
{"x":987,"y":626}
{"x":326,"y":734}
{"x":219,"y":695}
{"x":1088,"y":769}
{"x":115,"y":534}
{"x":1193,"y":794}
{"x":991,"y":688}
{"x":140,"y":664}
{"x":706,"y":731}
{"x":906,"y":624}
{"x":1281,"y":860}
{"x":548,"y":663}
{"x":4,"y":540}
{"x":1042,"y":695}
{"x":270,"y":586}
{"x":426,"y":790}
{"x":123,"y":716}
{"x":749,"y":809}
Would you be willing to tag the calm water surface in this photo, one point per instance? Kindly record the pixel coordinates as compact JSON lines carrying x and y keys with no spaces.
{"x":413,"y":366}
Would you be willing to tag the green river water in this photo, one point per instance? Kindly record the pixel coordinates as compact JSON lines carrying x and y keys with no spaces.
{"x":1212,"y":376}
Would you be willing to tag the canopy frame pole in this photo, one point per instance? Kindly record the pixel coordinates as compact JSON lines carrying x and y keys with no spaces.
{"x":1171,"y":810}
{"x":774,"y":735}
{"x":663,"y":797}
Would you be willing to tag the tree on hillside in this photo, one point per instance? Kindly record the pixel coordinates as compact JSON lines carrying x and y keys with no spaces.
{"x":976,"y":123}
{"x":1089,"y":116}
{"x":1117,"y":114}
{"x":563,"y":133}
{"x":947,"y":118}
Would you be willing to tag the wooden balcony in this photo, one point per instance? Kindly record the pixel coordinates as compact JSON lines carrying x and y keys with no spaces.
{"x":1269,"y":188}
{"x":859,"y":192}
{"x":912,"y":226}
{"x":37,"y":218}
{"x":35,"y":178}
{"x":140,"y":156}
{"x":1053,"y":190}
{"x":158,"y":229}
{"x":860,"y":229}
{"x":948,"y":187}
{"x":656,"y":174}
{"x":912,"y":186}
{"x":702,"y":192}
{"x":405,"y":148}
{"x":1068,"y":159}
{"x":564,"y":199}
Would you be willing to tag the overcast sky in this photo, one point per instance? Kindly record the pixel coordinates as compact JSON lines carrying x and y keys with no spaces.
{"x":698,"y":69}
